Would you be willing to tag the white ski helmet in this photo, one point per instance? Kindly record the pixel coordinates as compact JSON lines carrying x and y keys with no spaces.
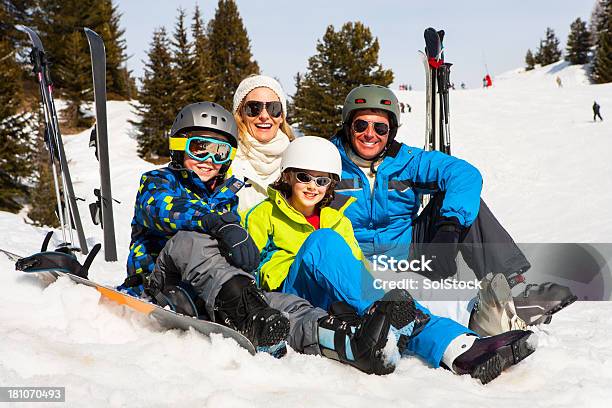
{"x":312,"y":153}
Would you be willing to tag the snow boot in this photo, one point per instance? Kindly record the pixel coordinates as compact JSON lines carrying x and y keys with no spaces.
{"x":362,"y":342}
{"x":495,"y":312}
{"x":489,"y":356}
{"x":538,"y":302}
{"x":243,"y":307}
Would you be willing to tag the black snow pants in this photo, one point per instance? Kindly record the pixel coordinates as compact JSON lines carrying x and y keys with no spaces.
{"x":485,"y":246}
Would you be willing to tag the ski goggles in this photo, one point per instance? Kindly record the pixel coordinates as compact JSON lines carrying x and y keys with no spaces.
{"x":360,"y":126}
{"x":254,"y":108}
{"x":203,"y":148}
{"x":320,"y":181}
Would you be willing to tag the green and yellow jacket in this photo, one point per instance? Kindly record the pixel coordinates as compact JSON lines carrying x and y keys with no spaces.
{"x":279,"y":231}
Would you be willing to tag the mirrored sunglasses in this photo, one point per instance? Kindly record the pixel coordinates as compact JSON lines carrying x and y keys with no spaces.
{"x":254,"y":108}
{"x":360,"y":126}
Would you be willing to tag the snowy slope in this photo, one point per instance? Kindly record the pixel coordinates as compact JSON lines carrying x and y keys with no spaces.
{"x":545,"y":164}
{"x":546,"y":177}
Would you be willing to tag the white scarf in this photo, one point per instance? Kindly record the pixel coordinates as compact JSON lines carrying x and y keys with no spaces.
{"x":264,"y":158}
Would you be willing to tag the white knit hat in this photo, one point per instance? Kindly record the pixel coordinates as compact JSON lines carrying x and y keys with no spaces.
{"x":258,"y":81}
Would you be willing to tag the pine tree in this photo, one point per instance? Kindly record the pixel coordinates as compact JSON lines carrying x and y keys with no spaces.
{"x":230,"y":53}
{"x":602,"y":64}
{"x":345,"y":59}
{"x":529,"y":61}
{"x":107,"y":24}
{"x":13,"y":12}
{"x":58,"y":23}
{"x":77,"y":85}
{"x":549,"y":51}
{"x":157,"y":105}
{"x":596,"y":16}
{"x":202,"y":86}
{"x":57,"y":20}
{"x":184,"y":63}
{"x":15,"y":146}
{"x":43,"y":200}
{"x":578,"y":43}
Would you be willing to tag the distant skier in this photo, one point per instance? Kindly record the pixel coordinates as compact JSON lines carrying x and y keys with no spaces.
{"x":488,"y":80}
{"x":463,"y":85}
{"x":596,"y":113}
{"x":402,"y":107}
{"x":559,"y":82}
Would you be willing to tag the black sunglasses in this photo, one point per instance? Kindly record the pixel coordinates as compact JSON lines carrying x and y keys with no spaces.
{"x":320,"y":181}
{"x":360,"y":126}
{"x":254,"y":108}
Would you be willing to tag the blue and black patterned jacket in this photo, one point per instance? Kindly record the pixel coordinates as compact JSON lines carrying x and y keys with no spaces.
{"x":169,"y":201}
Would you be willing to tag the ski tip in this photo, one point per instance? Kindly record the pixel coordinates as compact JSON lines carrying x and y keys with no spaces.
{"x":23,"y":28}
{"x":89,"y":31}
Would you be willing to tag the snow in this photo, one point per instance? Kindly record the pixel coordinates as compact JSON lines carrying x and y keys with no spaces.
{"x":537,"y":148}
{"x":546,"y":175}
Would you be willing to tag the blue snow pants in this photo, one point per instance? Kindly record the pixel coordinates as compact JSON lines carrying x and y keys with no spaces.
{"x":325,"y":271}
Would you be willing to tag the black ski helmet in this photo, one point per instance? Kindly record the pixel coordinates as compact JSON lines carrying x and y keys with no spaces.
{"x":202,"y":116}
{"x":371,"y":97}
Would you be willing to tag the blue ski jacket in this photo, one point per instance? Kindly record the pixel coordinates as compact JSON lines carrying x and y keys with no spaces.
{"x":169,"y":201}
{"x":382,"y":218}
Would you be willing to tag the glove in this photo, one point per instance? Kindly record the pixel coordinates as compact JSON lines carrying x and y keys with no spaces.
{"x":235,"y":243}
{"x":444,"y":247}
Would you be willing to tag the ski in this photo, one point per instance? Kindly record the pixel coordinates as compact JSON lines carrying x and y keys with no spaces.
{"x":428,"y":111}
{"x":99,"y":140}
{"x":437,"y":72}
{"x":68,"y":211}
{"x":444,"y":84}
{"x":168,"y":319}
{"x":433,"y":51}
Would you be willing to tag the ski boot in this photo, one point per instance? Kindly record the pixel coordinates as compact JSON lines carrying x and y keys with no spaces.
{"x":406,"y":320}
{"x":243,"y":307}
{"x":489,"y":356}
{"x":362,"y":341}
{"x":495,"y":312}
{"x":538,"y":302}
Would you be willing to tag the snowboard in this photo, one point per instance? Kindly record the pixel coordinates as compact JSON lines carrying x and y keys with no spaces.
{"x":166,"y":318}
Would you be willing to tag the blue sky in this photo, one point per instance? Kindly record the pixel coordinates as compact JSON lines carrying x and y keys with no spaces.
{"x":284,"y":33}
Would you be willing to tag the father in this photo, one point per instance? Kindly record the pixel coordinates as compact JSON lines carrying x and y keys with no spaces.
{"x":389,"y":178}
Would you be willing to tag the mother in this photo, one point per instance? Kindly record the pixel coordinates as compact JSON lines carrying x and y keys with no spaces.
{"x":260,"y":110}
